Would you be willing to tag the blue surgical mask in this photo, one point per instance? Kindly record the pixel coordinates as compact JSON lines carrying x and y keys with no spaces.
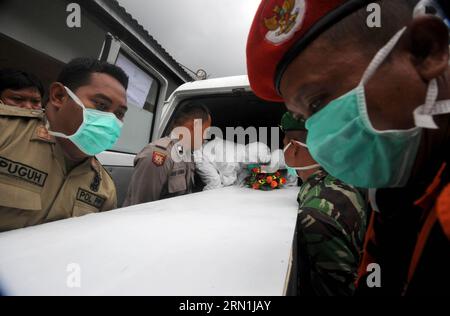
{"x":343,"y":141}
{"x":292,"y":172}
{"x":98,"y":132}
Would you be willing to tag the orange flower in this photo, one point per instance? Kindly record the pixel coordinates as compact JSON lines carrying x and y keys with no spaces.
{"x":255,"y":186}
{"x":255,"y":170}
{"x":269,"y":179}
{"x":283,"y":181}
{"x":274,"y":185}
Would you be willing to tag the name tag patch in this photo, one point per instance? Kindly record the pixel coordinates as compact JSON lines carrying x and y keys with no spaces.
{"x":23,"y":172}
{"x":179,"y":172}
{"x":90,"y":198}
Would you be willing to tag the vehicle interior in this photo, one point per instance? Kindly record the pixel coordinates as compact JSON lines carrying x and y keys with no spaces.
{"x":19,"y":56}
{"x":240,"y":110}
{"x":228,"y":110}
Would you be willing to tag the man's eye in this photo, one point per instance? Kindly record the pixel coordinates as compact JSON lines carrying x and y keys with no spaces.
{"x":100,"y":106}
{"x":120,"y":115}
{"x":315,"y":107}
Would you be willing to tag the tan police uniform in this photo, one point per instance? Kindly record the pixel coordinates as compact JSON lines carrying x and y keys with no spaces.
{"x":157,"y":176}
{"x":35,"y":184}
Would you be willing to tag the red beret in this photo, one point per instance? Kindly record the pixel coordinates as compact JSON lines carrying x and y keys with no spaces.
{"x":281,"y":30}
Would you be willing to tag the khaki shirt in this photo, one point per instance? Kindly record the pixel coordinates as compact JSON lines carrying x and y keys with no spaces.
{"x":157,"y":176}
{"x":35,"y":185}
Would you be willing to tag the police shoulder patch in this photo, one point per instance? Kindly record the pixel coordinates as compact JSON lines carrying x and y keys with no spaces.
{"x":159,"y":158}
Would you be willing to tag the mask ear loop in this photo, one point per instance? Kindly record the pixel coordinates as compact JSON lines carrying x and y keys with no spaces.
{"x":381,"y":56}
{"x":305,"y":168}
{"x":287,"y":147}
{"x":80,"y":104}
{"x":74,"y":97}
{"x":441,"y":107}
{"x":423,"y":115}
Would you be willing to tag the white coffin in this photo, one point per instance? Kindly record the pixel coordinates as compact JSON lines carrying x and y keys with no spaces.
{"x":232,"y":242}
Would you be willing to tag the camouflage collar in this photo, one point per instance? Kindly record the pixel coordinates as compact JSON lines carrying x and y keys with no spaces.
{"x":318,"y":176}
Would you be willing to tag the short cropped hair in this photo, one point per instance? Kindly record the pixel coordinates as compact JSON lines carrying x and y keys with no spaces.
{"x":17,"y":80}
{"x":77,"y":73}
{"x":191,"y":111}
{"x":395,"y":14}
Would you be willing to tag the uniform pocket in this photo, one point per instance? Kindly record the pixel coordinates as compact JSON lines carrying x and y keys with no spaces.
{"x":16,"y":197}
{"x":177,"y":184}
{"x":81,"y":209}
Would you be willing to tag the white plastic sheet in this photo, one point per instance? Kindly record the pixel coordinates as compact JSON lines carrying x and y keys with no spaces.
{"x":231,"y":241}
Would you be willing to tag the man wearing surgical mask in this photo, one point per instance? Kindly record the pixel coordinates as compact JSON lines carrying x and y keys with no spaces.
{"x":377,"y":103}
{"x":295,"y":150}
{"x":331,"y":223}
{"x":48,"y":169}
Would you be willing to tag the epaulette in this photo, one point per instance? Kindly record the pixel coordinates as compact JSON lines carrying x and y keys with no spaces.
{"x":6,"y":110}
{"x":163,"y":143}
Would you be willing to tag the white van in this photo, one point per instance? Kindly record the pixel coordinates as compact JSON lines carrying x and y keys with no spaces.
{"x":232,"y":104}
{"x":233,"y":241}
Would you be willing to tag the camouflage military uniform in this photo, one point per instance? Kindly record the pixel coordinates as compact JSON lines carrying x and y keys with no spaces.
{"x":331,"y":228}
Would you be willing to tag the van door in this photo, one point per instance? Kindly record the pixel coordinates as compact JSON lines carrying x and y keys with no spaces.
{"x":146,"y":93}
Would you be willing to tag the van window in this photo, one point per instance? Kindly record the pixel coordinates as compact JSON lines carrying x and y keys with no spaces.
{"x":241,"y":111}
{"x":142,"y":97}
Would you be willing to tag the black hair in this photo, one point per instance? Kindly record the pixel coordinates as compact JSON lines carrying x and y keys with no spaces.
{"x":395,"y":14}
{"x":191,"y":110}
{"x":17,"y":80}
{"x":77,"y":73}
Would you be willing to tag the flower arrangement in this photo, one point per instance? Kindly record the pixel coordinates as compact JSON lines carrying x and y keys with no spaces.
{"x":264,"y":181}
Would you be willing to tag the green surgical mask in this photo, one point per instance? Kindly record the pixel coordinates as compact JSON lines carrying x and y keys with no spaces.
{"x":98,"y":132}
{"x":343,"y":141}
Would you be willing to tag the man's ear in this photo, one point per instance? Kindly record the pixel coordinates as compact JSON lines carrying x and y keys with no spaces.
{"x":427,"y":40}
{"x":57,"y":95}
{"x":189,"y":124}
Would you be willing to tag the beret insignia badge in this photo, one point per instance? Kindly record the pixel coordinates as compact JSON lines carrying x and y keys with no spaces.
{"x":283,"y":20}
